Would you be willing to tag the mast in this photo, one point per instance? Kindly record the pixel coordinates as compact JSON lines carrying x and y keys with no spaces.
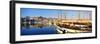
{"x":78,"y":16}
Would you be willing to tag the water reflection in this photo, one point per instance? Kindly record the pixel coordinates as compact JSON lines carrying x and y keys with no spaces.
{"x":37,"y":29}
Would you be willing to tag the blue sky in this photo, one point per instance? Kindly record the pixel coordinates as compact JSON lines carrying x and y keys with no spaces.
{"x":53,"y":13}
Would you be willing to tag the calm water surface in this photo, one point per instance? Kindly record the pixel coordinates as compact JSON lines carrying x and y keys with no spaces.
{"x":38,"y":30}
